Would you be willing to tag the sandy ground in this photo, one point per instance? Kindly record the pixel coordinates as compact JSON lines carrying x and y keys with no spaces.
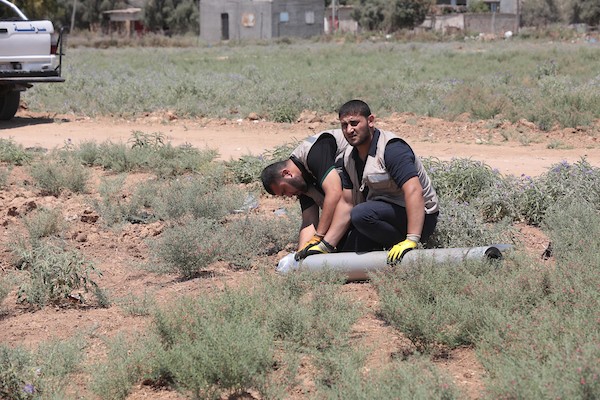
{"x":513,"y":148}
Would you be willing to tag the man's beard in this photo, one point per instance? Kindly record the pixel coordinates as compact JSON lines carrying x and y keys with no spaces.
{"x":299,"y":184}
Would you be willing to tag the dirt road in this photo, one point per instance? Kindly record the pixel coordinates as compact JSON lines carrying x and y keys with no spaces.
{"x":511,"y":148}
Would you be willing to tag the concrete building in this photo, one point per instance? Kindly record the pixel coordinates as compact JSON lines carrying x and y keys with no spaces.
{"x":125,"y":22}
{"x":260,"y":19}
{"x":344,"y":23}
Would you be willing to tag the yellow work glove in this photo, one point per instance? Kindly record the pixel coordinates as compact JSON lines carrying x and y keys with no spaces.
{"x":320,"y":248}
{"x":316,"y":239}
{"x":399,"y":250}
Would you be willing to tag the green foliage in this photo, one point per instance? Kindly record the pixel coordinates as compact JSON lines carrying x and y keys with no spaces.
{"x":540,"y":12}
{"x":52,"y":176}
{"x":189,"y":248}
{"x":460,"y":179}
{"x":436,"y":80}
{"x":137,"y":305}
{"x":42,"y":374}
{"x":390,"y":16}
{"x":145,"y":152}
{"x":13,"y":153}
{"x":4,"y":175}
{"x":257,"y":237}
{"x":128,"y":361}
{"x":215,"y":344}
{"x":116,"y":208}
{"x":43,"y":222}
{"x":478,"y":6}
{"x":52,"y":274}
{"x":417,"y":379}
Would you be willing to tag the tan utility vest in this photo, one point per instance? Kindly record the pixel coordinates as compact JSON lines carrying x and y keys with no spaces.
{"x":380,"y":183}
{"x":300,"y":153}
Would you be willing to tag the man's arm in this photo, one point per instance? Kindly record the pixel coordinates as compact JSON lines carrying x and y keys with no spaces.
{"x":415,"y":206}
{"x":332,"y":186}
{"x":341,"y":218}
{"x":310,"y":219}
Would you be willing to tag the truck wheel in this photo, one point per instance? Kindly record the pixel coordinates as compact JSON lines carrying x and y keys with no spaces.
{"x":9,"y":104}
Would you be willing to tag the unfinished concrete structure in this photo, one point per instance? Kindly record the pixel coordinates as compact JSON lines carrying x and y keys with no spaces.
{"x":260,"y":19}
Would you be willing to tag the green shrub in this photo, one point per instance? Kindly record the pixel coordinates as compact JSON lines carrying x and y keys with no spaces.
{"x":137,"y":305}
{"x":463,"y":225}
{"x":115,"y":208}
{"x":255,"y":236}
{"x":215,"y":344}
{"x":13,"y":153}
{"x":52,"y":176}
{"x":128,"y":361}
{"x":417,"y":379}
{"x":196,"y":196}
{"x":42,"y":374}
{"x":189,"y":248}
{"x":52,"y":274}
{"x":147,"y":152}
{"x":4,"y":175}
{"x":43,"y":222}
{"x":460,"y":179}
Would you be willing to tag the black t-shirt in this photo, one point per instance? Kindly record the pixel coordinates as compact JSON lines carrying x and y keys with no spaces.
{"x":320,"y":160}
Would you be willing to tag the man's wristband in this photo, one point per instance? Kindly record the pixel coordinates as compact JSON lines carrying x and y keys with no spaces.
{"x":415,"y":238}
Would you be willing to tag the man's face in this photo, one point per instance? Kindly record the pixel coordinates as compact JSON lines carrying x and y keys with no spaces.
{"x":290,"y":186}
{"x":357,"y":129}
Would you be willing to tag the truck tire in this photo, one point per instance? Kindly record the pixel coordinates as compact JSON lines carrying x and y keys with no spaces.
{"x":9,"y":104}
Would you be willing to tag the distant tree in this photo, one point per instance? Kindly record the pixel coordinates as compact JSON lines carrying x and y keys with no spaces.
{"x":478,"y":6}
{"x":540,"y":12}
{"x":38,"y":9}
{"x":390,"y":16}
{"x":586,"y":11}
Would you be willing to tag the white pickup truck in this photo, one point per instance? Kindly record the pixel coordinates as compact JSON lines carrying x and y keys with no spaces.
{"x":30,"y":52}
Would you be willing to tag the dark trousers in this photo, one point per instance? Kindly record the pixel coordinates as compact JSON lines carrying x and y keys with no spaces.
{"x":378,"y":225}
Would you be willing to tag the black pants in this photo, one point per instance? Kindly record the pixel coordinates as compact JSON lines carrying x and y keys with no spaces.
{"x":378,"y":225}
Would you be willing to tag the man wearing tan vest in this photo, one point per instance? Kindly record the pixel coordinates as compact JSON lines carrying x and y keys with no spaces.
{"x":312,"y":174}
{"x":388,"y":201}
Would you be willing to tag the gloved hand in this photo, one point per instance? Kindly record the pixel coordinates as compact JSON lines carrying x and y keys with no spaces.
{"x":316,"y":239}
{"x":399,"y":250}
{"x":320,"y":248}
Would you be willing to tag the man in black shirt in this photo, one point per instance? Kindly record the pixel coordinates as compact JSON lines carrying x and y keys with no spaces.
{"x":312,"y":174}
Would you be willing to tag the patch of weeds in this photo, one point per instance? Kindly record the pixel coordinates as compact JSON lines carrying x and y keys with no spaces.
{"x":198,"y":197}
{"x":4,"y":175}
{"x":114,"y":207}
{"x":215,"y":344}
{"x":129,"y":361}
{"x":247,"y":168}
{"x":256,"y":237}
{"x":137,"y":305}
{"x":416,"y":379}
{"x":13,"y":153}
{"x":558,"y":145}
{"x":460,"y":179}
{"x":39,"y":374}
{"x":463,"y":225}
{"x":53,"y":274}
{"x":52,"y":176}
{"x":187,"y":249}
{"x":573,"y":228}
{"x":43,"y":222}
{"x":151,"y":152}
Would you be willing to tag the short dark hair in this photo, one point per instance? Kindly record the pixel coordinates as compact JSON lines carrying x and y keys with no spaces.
{"x":355,"y":107}
{"x":272,"y":174}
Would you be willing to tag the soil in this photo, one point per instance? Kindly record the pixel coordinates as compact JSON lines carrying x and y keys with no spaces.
{"x":513,"y":148}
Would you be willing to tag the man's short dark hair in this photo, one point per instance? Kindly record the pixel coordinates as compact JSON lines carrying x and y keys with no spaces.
{"x":355,"y":107}
{"x":272,"y":174}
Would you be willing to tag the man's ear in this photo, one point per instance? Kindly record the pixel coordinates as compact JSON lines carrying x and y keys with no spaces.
{"x":286,"y":173}
{"x":371,"y":121}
